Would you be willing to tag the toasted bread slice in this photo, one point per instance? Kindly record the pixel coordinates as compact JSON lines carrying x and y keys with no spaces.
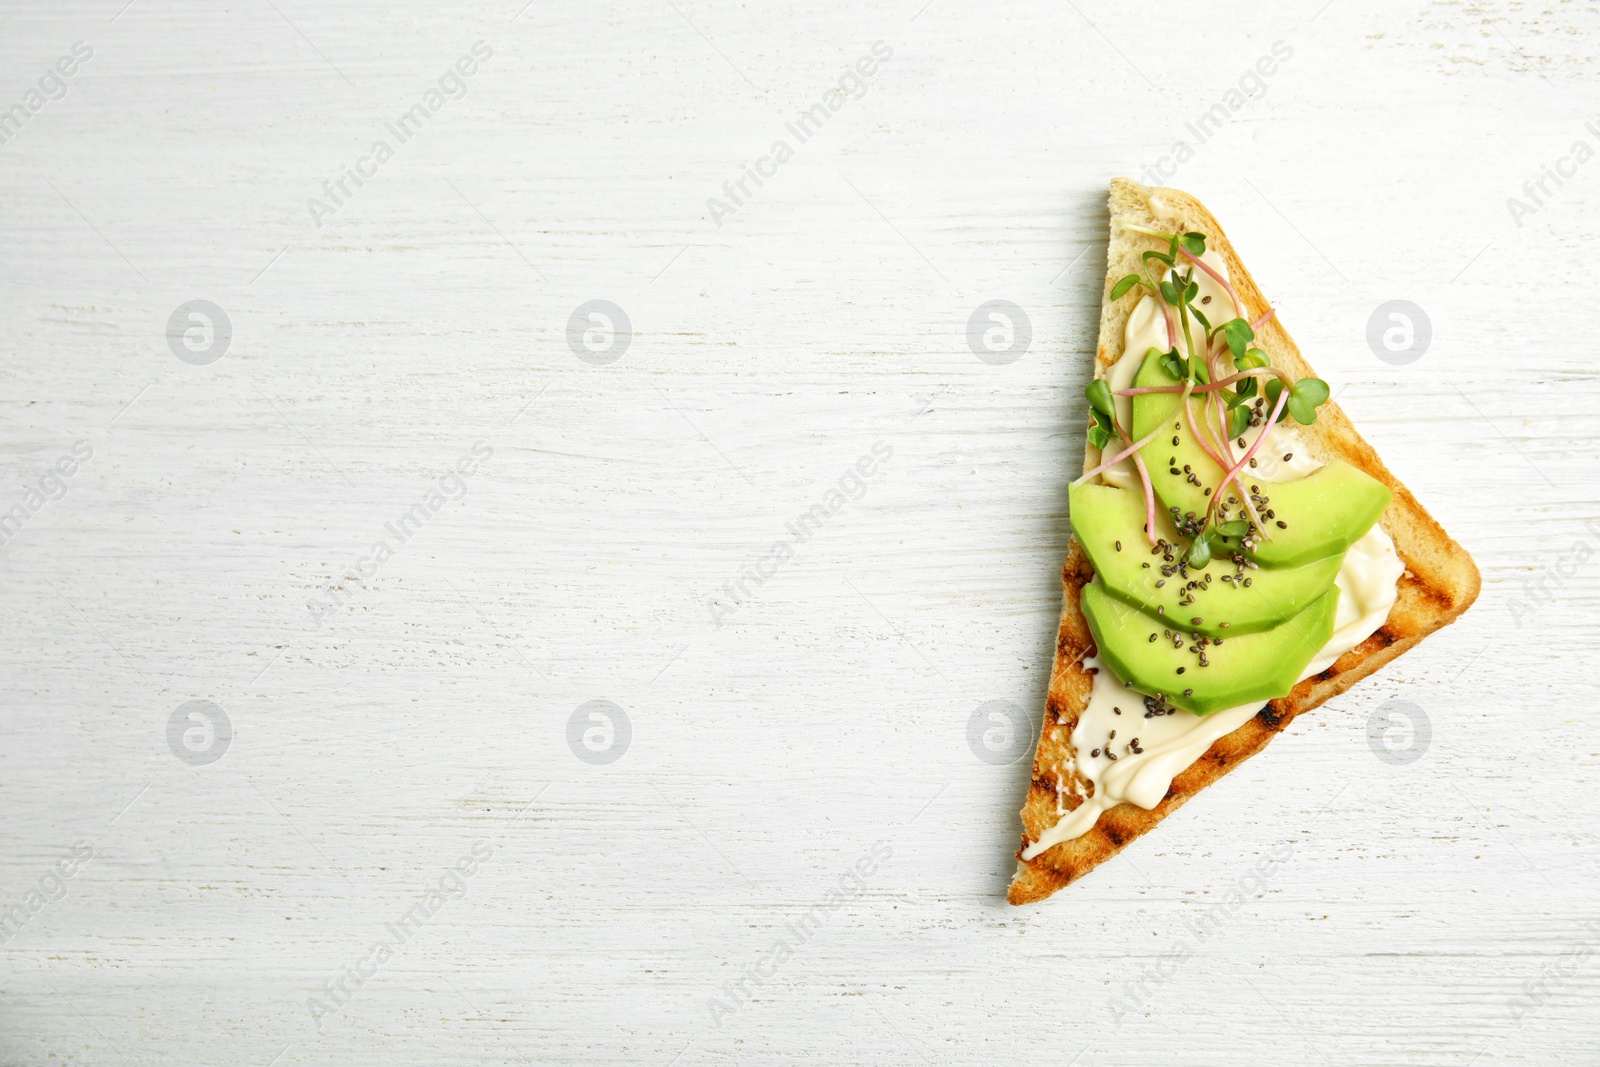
{"x":1440,"y":581}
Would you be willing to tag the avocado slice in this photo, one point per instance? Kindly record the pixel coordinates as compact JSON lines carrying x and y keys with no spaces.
{"x":1323,"y":513}
{"x":1148,"y":653}
{"x":1109,"y":524}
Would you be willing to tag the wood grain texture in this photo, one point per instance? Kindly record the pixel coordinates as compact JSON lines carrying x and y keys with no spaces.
{"x":1436,"y":914}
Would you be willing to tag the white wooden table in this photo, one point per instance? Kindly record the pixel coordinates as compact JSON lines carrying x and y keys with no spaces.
{"x":196,"y":893}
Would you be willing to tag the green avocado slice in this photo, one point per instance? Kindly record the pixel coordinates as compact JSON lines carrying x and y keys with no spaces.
{"x":1109,"y":524}
{"x":1323,"y":513}
{"x":1139,"y":649}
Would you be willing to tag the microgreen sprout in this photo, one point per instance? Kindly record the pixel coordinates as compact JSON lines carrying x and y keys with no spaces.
{"x":1230,"y":403}
{"x":1103,"y":423}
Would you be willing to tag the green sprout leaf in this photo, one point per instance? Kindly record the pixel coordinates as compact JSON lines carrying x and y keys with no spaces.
{"x":1304,"y":396}
{"x":1235,"y":528}
{"x":1099,"y":396}
{"x":1159,"y":257}
{"x":1173,"y":364}
{"x":1253,"y":359}
{"x":1199,"y":552}
{"x":1192,"y":291}
{"x":1238,"y":420}
{"x":1121,"y":288}
{"x":1273,"y":391}
{"x":1194,"y":243}
{"x":1238,"y":334}
{"x":1099,"y":425}
{"x":1169,"y":293}
{"x":1312,"y":390}
{"x":1205,"y":322}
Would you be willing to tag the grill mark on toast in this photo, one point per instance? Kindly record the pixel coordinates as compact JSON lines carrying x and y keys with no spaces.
{"x":1273,"y":717}
{"x":1430,"y":597}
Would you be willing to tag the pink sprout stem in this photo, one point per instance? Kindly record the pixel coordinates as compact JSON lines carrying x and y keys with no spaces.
{"x":1220,"y":280}
{"x":1256,"y":325}
{"x":1223,"y":383}
{"x":1250,"y":453}
{"x":1149,"y":493}
{"x":1202,"y":433}
{"x":1124,"y":454}
{"x":1213,"y":400}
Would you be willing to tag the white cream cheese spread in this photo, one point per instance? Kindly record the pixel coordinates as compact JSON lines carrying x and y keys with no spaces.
{"x":1146,"y":329}
{"x":1169,"y":743}
{"x":1129,"y":754}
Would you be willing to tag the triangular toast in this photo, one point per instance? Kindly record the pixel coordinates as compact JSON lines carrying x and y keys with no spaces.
{"x":1440,"y":580}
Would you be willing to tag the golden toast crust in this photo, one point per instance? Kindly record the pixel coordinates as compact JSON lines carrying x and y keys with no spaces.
{"x":1440,"y":581}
